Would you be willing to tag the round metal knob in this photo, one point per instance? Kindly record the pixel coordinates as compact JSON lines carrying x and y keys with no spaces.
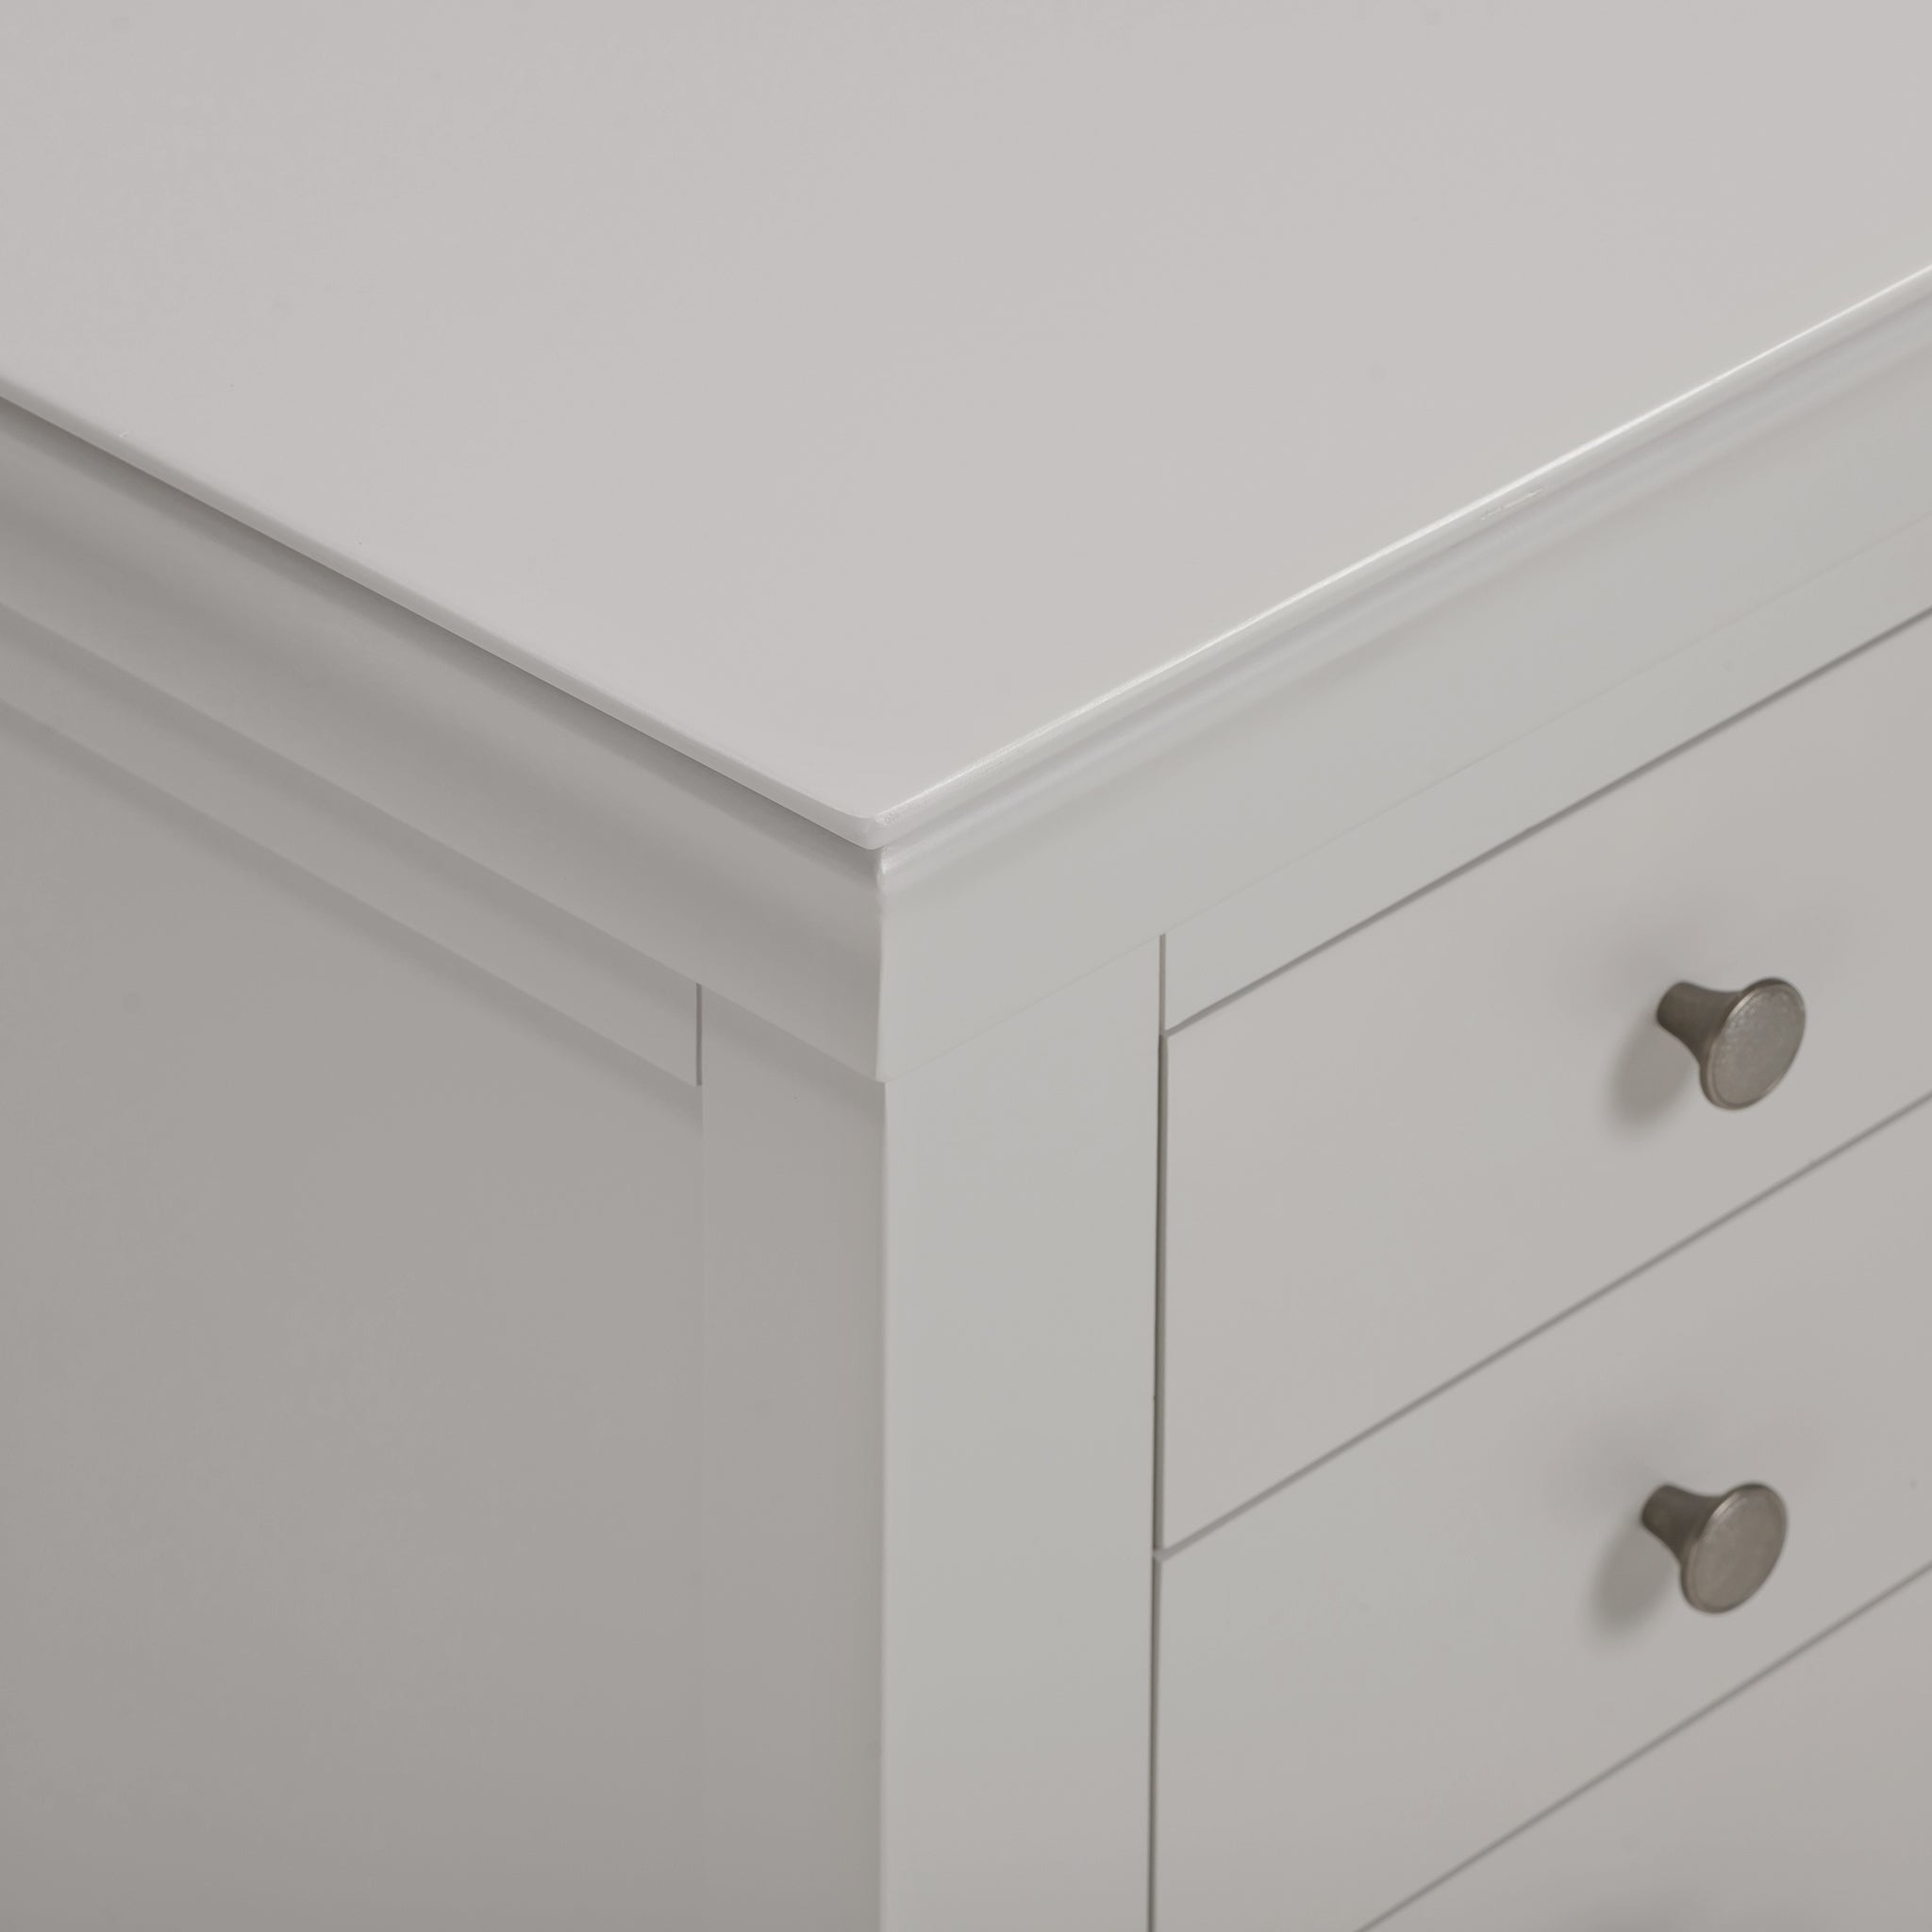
{"x":1744,"y":1043}
{"x":1726,"y":1546}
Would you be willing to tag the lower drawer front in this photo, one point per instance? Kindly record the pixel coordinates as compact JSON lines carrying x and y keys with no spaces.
{"x":1805,"y":1805}
{"x":1393,"y":1662}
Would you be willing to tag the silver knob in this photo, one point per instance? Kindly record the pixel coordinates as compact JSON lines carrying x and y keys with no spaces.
{"x":1744,"y":1043}
{"x":1726,"y":1546}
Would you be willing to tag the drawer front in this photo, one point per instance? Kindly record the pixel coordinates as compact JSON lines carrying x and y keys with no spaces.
{"x":1413,"y":1148}
{"x":1398,"y":1659}
{"x":1802,"y":1807}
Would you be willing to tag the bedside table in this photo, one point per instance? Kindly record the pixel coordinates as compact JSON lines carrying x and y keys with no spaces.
{"x":962,"y":971}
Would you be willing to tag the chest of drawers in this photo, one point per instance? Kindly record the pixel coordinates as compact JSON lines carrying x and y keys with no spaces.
{"x":963,"y":971}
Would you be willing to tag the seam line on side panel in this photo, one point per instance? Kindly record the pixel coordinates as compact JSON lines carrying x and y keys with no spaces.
{"x":1153,"y":1732}
{"x":1160,"y":1429}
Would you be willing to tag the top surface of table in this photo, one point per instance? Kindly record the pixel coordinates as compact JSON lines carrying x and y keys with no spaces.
{"x":867,"y":399}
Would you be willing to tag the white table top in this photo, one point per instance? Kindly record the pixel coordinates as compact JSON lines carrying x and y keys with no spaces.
{"x":868,"y":398}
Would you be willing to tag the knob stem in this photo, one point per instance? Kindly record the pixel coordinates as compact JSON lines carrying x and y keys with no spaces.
{"x":1695,"y":1014}
{"x":1677,"y":1518}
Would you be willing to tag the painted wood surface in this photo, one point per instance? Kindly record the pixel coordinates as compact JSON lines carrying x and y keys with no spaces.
{"x":1376,"y":1673}
{"x":1800,"y":1807}
{"x":1406,"y":731}
{"x":866,"y":402}
{"x":1413,"y":1147}
{"x":929,"y":1338}
{"x":349,"y":1410}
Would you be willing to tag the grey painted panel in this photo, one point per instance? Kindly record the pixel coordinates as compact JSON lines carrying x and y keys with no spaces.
{"x":348,"y":1332}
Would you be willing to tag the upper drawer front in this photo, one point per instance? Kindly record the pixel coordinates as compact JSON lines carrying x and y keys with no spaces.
{"x":1799,"y":1807}
{"x":1412,"y":1148}
{"x":1369,"y":1677}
